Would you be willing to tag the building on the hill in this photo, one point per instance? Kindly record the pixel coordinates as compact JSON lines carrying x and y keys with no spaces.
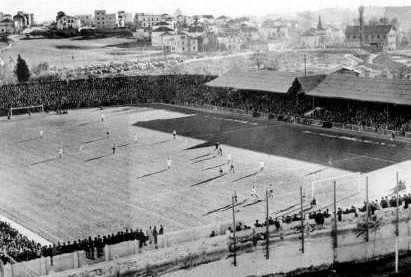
{"x":144,"y":20}
{"x":70,"y":24}
{"x":22,"y":21}
{"x":270,"y":32}
{"x":179,"y":43}
{"x":377,"y":36}
{"x":230,"y":43}
{"x":321,"y":37}
{"x":315,"y":37}
{"x":157,"y":36}
{"x":207,"y":19}
{"x":7,"y":16}
{"x":124,"y":19}
{"x":86,"y":20}
{"x":7,"y":27}
{"x":221,"y":20}
{"x":104,"y":20}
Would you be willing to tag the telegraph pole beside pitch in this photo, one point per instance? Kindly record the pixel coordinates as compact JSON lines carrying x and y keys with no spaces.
{"x":302,"y":219}
{"x":335,"y":215}
{"x":366,"y":209}
{"x":234,"y":243}
{"x":305,"y":64}
{"x":267,"y":249}
{"x":396,"y":223}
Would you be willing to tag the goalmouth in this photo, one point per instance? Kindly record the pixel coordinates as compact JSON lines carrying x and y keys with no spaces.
{"x":13,"y":111}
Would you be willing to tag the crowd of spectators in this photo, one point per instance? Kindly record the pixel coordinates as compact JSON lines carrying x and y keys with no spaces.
{"x":375,"y":116}
{"x":317,"y":216}
{"x":191,"y":90}
{"x":17,"y":248}
{"x":16,"y":245}
{"x":113,"y":68}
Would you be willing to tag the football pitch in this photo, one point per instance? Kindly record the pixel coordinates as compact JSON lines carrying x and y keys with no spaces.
{"x":91,"y":191}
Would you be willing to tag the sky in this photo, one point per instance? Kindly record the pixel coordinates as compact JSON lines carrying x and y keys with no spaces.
{"x":47,"y":9}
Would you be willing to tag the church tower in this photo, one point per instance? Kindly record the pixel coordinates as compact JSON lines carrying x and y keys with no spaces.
{"x":319,"y":25}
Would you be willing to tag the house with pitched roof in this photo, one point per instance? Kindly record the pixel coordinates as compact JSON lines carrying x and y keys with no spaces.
{"x":383,"y":37}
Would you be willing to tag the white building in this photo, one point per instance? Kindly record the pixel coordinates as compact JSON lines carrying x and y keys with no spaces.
{"x":86,"y":20}
{"x":105,"y":20}
{"x":68,"y":22}
{"x":179,"y":43}
{"x":230,"y":43}
{"x":124,"y":19}
{"x":7,"y":26}
{"x":157,"y":36}
{"x":274,"y":32}
{"x":143,"y":20}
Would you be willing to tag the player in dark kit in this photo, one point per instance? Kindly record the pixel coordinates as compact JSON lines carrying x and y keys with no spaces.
{"x":114,"y":148}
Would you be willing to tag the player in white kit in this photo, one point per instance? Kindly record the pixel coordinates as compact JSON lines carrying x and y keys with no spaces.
{"x":60,"y":152}
{"x":228,"y":158}
{"x":254,"y":193}
{"x":174,"y":134}
{"x":168,"y":163}
{"x":261,"y":166}
{"x":102,"y":117}
{"x":41,"y":134}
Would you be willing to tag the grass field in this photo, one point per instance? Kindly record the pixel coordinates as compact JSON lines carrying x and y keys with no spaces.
{"x":90,"y":191}
{"x":76,"y":53}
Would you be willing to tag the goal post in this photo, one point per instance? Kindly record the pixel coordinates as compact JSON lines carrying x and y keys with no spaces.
{"x":26,"y":110}
{"x":348,"y":185}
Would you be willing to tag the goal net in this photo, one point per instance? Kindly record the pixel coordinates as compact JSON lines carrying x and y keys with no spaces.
{"x":350,"y":189}
{"x":28,"y":110}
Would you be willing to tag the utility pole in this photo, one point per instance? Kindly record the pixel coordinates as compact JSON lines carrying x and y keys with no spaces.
{"x":396,"y":224}
{"x":335,"y":215}
{"x":305,"y":64}
{"x":234,"y":239}
{"x":302,"y":220}
{"x":366,"y":209}
{"x":267,"y":249}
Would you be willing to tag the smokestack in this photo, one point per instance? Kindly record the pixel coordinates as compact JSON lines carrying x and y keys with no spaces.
{"x":361,"y":11}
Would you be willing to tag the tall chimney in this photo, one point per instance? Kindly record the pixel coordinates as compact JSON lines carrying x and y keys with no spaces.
{"x":361,"y":11}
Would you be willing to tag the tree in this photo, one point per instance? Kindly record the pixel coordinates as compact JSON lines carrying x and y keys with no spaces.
{"x":22,"y":71}
{"x":60,"y":14}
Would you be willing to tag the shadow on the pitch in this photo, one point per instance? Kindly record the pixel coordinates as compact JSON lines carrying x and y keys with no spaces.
{"x":201,"y":145}
{"x":253,"y":203}
{"x":44,"y":161}
{"x":151,"y":174}
{"x":199,"y":157}
{"x":123,"y":145}
{"x":83,"y":124}
{"x":212,"y":167}
{"x":225,"y":208}
{"x":203,"y":160}
{"x":94,"y":140}
{"x":98,"y":158}
{"x":30,"y":139}
{"x":208,"y":180}
{"x":244,"y":177}
{"x":161,"y":142}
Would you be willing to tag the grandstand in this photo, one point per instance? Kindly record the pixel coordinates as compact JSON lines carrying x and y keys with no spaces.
{"x":91,"y":192}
